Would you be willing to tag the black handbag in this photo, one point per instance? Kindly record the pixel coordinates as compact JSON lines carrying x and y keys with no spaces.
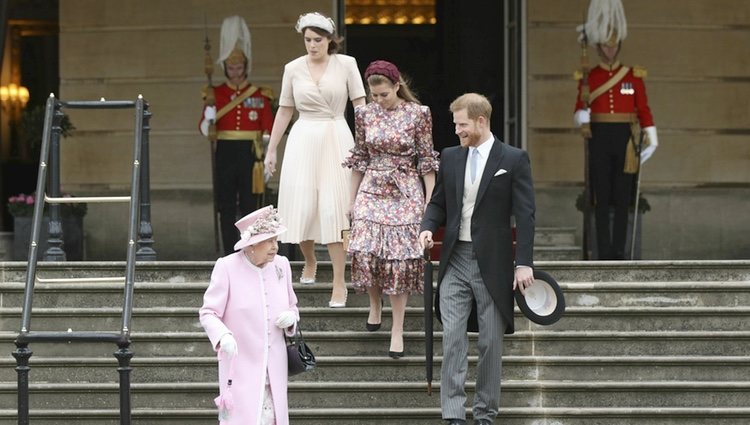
{"x":300,"y":357}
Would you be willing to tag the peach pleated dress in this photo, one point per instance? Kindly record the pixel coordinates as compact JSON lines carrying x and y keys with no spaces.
{"x":314,"y":188}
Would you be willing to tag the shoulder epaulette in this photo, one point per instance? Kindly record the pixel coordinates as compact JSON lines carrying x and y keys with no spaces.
{"x":639,"y":71}
{"x":577,"y":75}
{"x":266,"y":91}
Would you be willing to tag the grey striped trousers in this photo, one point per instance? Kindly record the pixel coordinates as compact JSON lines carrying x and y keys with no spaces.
{"x":461,"y":284}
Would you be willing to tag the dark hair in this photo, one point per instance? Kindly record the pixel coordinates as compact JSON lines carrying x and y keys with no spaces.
{"x":333,"y":46}
{"x":404,"y":92}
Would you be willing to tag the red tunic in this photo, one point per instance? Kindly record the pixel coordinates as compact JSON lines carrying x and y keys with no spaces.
{"x":628,"y":96}
{"x":249,"y":119}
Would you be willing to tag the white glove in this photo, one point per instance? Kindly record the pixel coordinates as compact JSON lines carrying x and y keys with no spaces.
{"x":209,"y":113}
{"x":653,"y":142}
{"x":228,"y":345}
{"x":286,"y":319}
{"x":582,"y":116}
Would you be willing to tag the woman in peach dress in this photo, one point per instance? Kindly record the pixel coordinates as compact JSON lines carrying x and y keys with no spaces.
{"x":313,"y":188}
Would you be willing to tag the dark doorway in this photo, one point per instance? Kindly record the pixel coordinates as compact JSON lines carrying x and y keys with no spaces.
{"x":30,"y":60}
{"x":461,"y":52}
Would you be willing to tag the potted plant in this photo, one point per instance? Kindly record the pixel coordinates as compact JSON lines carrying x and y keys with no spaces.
{"x":21,"y":207}
{"x":32,"y":128}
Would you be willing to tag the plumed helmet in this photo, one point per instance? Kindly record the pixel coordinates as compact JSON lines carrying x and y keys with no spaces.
{"x":605,"y":24}
{"x":235,"y":42}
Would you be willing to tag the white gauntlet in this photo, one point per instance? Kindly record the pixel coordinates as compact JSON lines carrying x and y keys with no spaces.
{"x":582,"y":116}
{"x":653,"y":142}
{"x":209,"y":114}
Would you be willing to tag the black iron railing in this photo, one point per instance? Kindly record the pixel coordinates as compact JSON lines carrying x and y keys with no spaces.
{"x":138,"y":245}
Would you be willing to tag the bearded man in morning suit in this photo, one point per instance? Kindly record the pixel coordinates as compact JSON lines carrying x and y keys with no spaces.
{"x":480,"y":184}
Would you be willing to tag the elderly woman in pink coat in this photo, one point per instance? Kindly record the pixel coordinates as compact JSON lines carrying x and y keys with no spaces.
{"x":248,"y":307}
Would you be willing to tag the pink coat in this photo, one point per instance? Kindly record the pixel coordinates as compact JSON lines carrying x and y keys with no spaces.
{"x":246,"y":300}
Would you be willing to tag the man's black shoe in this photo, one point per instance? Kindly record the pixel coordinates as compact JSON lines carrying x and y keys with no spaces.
{"x":456,"y":422}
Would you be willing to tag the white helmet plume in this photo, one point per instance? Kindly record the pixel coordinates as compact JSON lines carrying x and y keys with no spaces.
{"x":234,"y":36}
{"x":605,"y":22}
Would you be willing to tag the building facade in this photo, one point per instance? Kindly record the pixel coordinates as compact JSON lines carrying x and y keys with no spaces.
{"x":697,"y":183}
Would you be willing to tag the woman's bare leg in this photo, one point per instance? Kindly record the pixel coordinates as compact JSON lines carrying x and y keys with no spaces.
{"x":338,"y":258}
{"x":376,"y":305}
{"x":398,"y":310}
{"x":311,"y":264}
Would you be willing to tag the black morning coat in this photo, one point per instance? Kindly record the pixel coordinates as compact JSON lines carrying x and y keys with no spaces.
{"x":500,"y":195}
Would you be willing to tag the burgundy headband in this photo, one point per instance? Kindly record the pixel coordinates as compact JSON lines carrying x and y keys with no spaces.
{"x":385,"y":69}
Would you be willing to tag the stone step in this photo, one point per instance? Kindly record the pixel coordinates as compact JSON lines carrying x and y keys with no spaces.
{"x":652,"y":342}
{"x":190,"y":294}
{"x":554,"y":236}
{"x":544,"y":237}
{"x":370,"y":343}
{"x":353,"y":343}
{"x":563,"y":271}
{"x":396,"y":394}
{"x":351,"y":318}
{"x":145,"y":294}
{"x":409,"y":368}
{"x":557,"y":253}
{"x":663,"y":294}
{"x":414,"y":415}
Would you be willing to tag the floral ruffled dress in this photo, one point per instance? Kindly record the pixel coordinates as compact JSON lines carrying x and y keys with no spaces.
{"x":393,"y":149}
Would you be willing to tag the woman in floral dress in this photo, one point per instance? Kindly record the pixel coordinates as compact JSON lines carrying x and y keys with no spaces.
{"x":392,"y":156}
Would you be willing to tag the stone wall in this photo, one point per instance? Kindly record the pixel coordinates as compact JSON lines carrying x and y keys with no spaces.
{"x":118,"y":50}
{"x":695,"y":52}
{"x":698,"y":85}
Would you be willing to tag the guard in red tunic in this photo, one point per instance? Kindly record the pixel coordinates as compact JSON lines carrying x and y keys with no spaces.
{"x":617,"y":103}
{"x":243,"y":116}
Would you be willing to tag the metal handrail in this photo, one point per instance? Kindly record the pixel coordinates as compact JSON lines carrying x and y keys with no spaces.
{"x":99,"y":104}
{"x":86,"y":199}
{"x":115,"y":279}
{"x":51,"y":134}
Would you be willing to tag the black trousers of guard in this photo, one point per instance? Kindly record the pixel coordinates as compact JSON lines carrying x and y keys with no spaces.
{"x":612,"y":187}
{"x":234,"y":174}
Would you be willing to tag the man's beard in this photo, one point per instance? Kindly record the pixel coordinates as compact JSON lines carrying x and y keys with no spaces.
{"x":471,"y":139}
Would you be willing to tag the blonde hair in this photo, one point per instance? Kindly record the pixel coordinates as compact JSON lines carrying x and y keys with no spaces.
{"x":476,"y":106}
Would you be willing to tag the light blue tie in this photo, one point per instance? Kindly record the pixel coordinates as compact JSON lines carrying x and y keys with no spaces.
{"x":474,"y":163}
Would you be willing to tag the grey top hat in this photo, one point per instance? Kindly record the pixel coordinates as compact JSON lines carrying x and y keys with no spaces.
{"x":544,"y":302}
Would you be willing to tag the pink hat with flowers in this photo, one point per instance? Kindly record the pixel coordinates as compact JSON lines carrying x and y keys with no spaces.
{"x":258,"y":226}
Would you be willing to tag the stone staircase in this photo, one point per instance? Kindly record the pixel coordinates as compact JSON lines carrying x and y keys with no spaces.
{"x":550,"y":244}
{"x":641,"y":343}
{"x":556,"y":244}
